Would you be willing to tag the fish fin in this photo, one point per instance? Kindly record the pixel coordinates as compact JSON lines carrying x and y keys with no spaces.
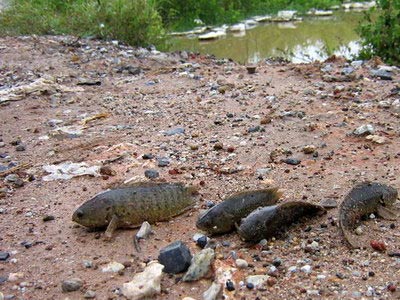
{"x":114,"y":223}
{"x":387,"y":213}
{"x":352,"y":240}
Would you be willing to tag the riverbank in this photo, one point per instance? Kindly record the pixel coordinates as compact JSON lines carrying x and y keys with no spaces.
{"x":200,"y":121}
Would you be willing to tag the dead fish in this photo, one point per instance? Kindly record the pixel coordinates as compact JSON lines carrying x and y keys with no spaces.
{"x":130,"y":206}
{"x":266,"y":222}
{"x":365,"y":198}
{"x":222,"y":217}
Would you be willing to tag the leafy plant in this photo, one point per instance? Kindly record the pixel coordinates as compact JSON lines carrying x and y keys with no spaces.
{"x":381,"y":32}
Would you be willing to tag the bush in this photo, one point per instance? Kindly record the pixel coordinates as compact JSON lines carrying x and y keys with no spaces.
{"x":381,"y":32}
{"x":133,"y":21}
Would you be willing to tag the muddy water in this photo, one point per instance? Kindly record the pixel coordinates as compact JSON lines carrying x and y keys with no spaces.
{"x":314,"y":38}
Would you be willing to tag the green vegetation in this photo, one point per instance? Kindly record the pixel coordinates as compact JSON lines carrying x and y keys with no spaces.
{"x":381,"y":32}
{"x":133,"y":21}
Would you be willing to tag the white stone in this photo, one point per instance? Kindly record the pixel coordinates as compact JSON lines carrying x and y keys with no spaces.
{"x":213,"y":291}
{"x":241,"y":263}
{"x":306,"y":269}
{"x":113,"y":267}
{"x":257,"y":280}
{"x":144,"y":284}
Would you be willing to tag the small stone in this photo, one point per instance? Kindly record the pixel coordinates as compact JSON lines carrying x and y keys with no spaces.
{"x":347,"y":71}
{"x":309,"y":149}
{"x":107,"y":170}
{"x":113,"y":267}
{"x":392,"y":288}
{"x":377,"y":139}
{"x":145,"y":284}
{"x":20,"y":147}
{"x":174,"y":131}
{"x":292,"y":161}
{"x":377,"y":245}
{"x":359,"y":230}
{"x":15,"y":180}
{"x":200,"y":265}
{"x":202,"y":241}
{"x":306,"y":269}
{"x":48,"y":218}
{"x":144,"y":230}
{"x":148,"y":156}
{"x":241,"y":263}
{"x":2,"y":280}
{"x":175,"y":257}
{"x":226,"y":243}
{"x":257,"y":280}
{"x":4,"y":255}
{"x":271,"y":281}
{"x":163,"y":161}
{"x":328,"y":203}
{"x":382,"y":74}
{"x":194,"y":147}
{"x":277,"y":262}
{"x":87,"y":264}
{"x":89,"y":294}
{"x":254,"y":129}
{"x":71,"y":285}
{"x":265,"y":120}
{"x":230,"y":286}
{"x":364,"y":130}
{"x":151,"y":174}
{"x":292,"y":269}
{"x":250,"y":286}
{"x":251,"y":69}
{"x":218,"y":146}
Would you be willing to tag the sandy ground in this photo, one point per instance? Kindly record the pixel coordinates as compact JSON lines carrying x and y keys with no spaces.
{"x":215,"y":102}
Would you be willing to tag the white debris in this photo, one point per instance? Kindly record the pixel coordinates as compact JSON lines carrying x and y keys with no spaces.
{"x":145,"y":284}
{"x":213,"y":291}
{"x":257,"y":280}
{"x":68,"y":170}
{"x":113,"y":267}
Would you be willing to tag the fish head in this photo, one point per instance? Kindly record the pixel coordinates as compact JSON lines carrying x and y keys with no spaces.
{"x":389,"y":196}
{"x":95,"y":213}
{"x":214,"y":221}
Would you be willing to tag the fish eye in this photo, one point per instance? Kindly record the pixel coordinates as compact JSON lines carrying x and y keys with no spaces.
{"x":79,"y":214}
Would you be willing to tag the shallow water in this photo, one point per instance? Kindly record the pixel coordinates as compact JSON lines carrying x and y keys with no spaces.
{"x":314,"y":38}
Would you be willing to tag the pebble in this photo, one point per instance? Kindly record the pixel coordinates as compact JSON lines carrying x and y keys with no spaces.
{"x":175,"y":257}
{"x":230,"y":286}
{"x":382,"y":74}
{"x":292,"y":269}
{"x":364,"y":130}
{"x":306,"y":269}
{"x":277,"y":262}
{"x":151,"y":174}
{"x":87,"y":264}
{"x":250,"y":286}
{"x":15,"y":180}
{"x":309,"y":149}
{"x":71,"y":285}
{"x":391,"y":287}
{"x":148,"y":156}
{"x":48,"y":218}
{"x":145,"y":284}
{"x":257,"y":280}
{"x":358,"y":230}
{"x":107,"y":170}
{"x":378,"y":246}
{"x":292,"y":161}
{"x":347,"y":70}
{"x":89,"y":294}
{"x":328,"y":203}
{"x":218,"y":146}
{"x":144,"y":230}
{"x":241,"y":263}
{"x":4,"y":255}
{"x":20,"y":147}
{"x":113,"y":267}
{"x":178,"y":130}
{"x":163,"y":162}
{"x":200,"y":265}
{"x":202,"y":241}
{"x":15,"y":276}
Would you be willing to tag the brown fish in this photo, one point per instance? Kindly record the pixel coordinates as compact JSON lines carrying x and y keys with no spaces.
{"x":222,"y":217}
{"x":130,"y":206}
{"x":365,"y":198}
{"x":266,"y":222}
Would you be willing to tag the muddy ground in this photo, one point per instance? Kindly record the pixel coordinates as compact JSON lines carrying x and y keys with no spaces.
{"x":141,"y":95}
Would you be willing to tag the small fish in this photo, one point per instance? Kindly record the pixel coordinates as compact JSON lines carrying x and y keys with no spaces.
{"x":266,"y":222}
{"x":224,"y":216}
{"x":130,"y":206}
{"x":365,"y":198}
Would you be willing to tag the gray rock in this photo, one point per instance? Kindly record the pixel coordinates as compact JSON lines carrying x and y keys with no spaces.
{"x":15,"y":180}
{"x":200,"y":265}
{"x":178,"y":130}
{"x":163,"y":161}
{"x":241,"y":263}
{"x":151,"y":173}
{"x":292,"y":161}
{"x":328,"y":203}
{"x":364,"y":130}
{"x":71,"y":285}
{"x":347,"y":70}
{"x":4,"y":255}
{"x":89,"y":294}
{"x":175,"y":257}
{"x":20,"y":147}
{"x":357,"y":63}
{"x":382,"y":74}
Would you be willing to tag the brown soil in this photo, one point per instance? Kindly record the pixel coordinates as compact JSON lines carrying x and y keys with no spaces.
{"x":165,"y":96}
